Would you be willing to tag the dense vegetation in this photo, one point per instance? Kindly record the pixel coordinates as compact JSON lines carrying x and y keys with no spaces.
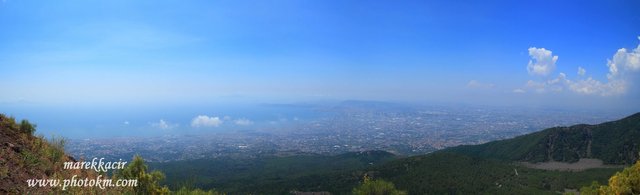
{"x":273,"y":174}
{"x":451,"y":173}
{"x":377,"y":187}
{"x":616,"y":142}
{"x":438,"y":173}
{"x":625,"y":182}
{"x":149,"y":182}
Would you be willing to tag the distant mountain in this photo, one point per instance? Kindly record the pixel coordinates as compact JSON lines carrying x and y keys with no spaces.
{"x":616,"y":142}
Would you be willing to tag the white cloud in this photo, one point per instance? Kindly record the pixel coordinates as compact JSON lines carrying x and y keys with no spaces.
{"x":162,"y":124}
{"x":623,"y":69}
{"x":536,"y":86}
{"x":479,"y":85}
{"x":558,"y":83}
{"x":587,"y":86}
{"x":126,"y":123}
{"x":542,"y":61}
{"x":243,"y":122}
{"x":554,"y":85}
{"x":591,"y":86}
{"x":624,"y":61}
{"x":206,"y":121}
{"x":581,"y":71}
{"x":558,"y":80}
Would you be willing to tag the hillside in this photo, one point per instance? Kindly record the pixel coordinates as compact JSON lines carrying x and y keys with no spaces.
{"x":616,"y":142}
{"x":24,"y":156}
{"x":492,"y":168}
{"x":273,"y":174}
{"x":450,"y":173}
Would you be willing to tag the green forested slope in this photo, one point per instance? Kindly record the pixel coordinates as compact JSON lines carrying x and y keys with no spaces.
{"x":616,"y":142}
{"x":451,"y":173}
{"x":273,"y":174}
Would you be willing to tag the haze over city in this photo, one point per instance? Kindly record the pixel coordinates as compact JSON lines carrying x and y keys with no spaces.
{"x":126,"y":66}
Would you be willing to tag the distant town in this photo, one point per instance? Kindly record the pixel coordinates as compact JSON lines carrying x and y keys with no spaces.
{"x":348,"y":127}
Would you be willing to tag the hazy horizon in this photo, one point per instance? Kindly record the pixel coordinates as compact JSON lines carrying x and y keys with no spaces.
{"x":94,"y":66}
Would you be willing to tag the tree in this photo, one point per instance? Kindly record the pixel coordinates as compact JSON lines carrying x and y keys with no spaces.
{"x":625,"y":182}
{"x":377,"y":187}
{"x":148,"y":183}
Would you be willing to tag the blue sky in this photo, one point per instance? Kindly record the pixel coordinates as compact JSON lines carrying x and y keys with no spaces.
{"x":104,"y":54}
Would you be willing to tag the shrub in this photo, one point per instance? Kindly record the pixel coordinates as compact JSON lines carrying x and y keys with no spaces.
{"x":8,"y":123}
{"x":27,"y":127}
{"x":56,"y":149}
{"x":377,"y":187}
{"x":30,"y":159}
{"x":148,"y":183}
{"x":186,"y":191}
{"x":625,"y":182}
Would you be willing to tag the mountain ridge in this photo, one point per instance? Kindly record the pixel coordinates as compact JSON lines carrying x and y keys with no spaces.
{"x":614,"y":142}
